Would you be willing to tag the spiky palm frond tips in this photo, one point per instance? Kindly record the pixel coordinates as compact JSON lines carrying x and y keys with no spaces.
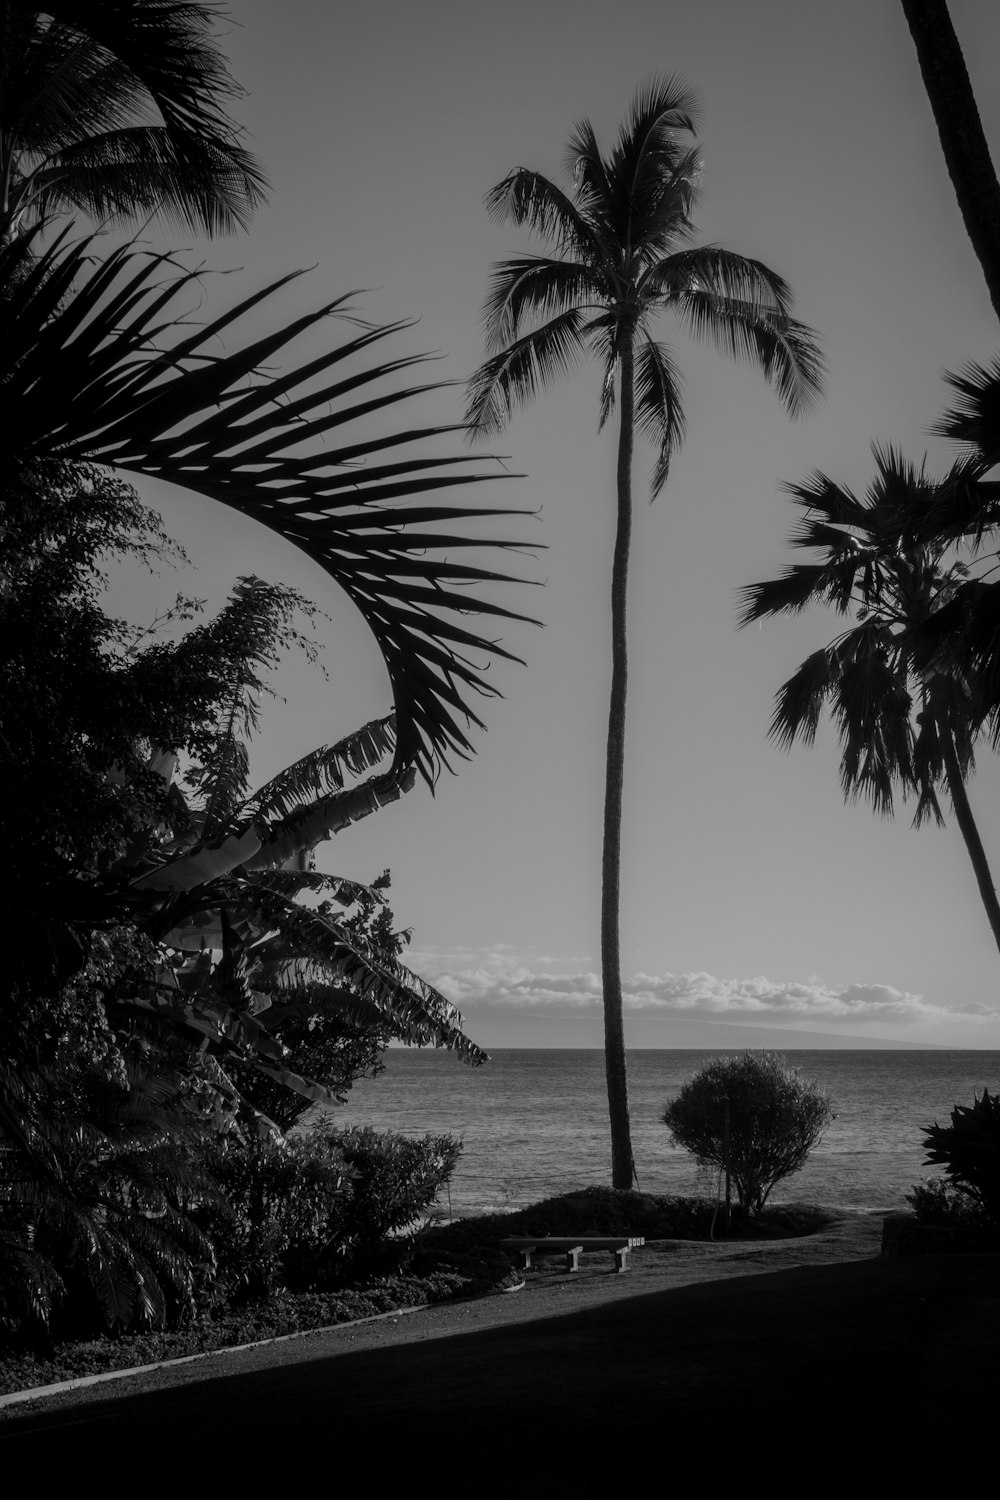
{"x":101,"y":363}
{"x":620,"y":257}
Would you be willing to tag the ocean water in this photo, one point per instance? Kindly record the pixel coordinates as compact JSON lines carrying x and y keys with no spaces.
{"x":535,"y":1123}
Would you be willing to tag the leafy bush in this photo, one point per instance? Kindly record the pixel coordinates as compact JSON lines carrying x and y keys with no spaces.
{"x":941,"y":1203}
{"x":309,"y":1212}
{"x":280,"y":1204}
{"x":774,"y":1120}
{"x":969,"y":1151}
{"x":395,"y":1182}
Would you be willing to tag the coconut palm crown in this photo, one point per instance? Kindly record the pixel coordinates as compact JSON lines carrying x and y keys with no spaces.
{"x":908,"y":718}
{"x":117,"y":110}
{"x":619,"y":257}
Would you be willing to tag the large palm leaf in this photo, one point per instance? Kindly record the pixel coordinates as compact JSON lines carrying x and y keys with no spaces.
{"x":100,"y":362}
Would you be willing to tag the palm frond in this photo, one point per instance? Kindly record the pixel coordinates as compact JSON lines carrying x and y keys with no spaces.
{"x":527,"y":198}
{"x":799,"y":702}
{"x":122,"y":175}
{"x":513,"y":377}
{"x":792,"y":592}
{"x":586,"y":167}
{"x":658,"y":412}
{"x":723,"y":273}
{"x":99,"y":367}
{"x":323,"y":771}
{"x":660,"y":206}
{"x":975,"y":416}
{"x":601,"y":336}
{"x":785,"y":351}
{"x":872,"y":705}
{"x":158,"y":54}
{"x":833,"y":501}
{"x":534,"y":288}
{"x":644,"y":164}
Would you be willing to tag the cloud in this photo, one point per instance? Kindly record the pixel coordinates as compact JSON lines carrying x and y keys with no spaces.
{"x":498,"y":980}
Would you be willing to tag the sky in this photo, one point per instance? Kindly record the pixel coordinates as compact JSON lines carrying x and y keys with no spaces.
{"x":752,"y":897}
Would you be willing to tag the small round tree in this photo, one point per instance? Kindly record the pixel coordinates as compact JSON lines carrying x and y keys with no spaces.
{"x":756,"y":1108}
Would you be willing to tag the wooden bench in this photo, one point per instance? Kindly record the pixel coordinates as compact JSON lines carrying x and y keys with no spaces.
{"x":574,"y":1245}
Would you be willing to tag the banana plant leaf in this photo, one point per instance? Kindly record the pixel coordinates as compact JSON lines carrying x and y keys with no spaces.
{"x":100,"y":361}
{"x":205,"y":863}
{"x":210,"y":1017}
{"x":313,"y":823}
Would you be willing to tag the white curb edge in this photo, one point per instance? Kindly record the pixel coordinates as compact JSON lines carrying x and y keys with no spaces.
{"x":36,"y":1391}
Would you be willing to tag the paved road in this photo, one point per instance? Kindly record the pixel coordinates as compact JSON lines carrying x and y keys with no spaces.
{"x":574,"y":1384}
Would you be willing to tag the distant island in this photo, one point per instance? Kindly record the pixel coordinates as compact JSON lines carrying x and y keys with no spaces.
{"x":644,"y":1033}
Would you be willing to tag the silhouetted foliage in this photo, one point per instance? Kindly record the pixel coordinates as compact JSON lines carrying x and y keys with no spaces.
{"x":116,"y":110}
{"x":775,"y":1119}
{"x":969,"y":1151}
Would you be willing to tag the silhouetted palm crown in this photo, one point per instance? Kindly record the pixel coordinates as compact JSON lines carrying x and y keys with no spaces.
{"x":892,"y":705}
{"x":621,"y":257}
{"x":117,"y":110}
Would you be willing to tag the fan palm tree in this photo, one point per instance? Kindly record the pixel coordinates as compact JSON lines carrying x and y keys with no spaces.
{"x":620,"y":257}
{"x":907,"y":719}
{"x":116,"y":110}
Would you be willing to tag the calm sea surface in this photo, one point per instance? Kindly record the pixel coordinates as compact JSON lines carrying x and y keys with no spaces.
{"x":535,"y":1123}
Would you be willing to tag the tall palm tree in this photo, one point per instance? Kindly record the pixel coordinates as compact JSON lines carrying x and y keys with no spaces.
{"x":117,"y":110}
{"x":620,"y":257}
{"x":908,"y":720}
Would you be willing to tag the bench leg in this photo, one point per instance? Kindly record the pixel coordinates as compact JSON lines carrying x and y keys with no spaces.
{"x":572,"y":1260}
{"x":525,"y":1259}
{"x":621,"y":1260}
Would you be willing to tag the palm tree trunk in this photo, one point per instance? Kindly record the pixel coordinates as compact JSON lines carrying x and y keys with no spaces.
{"x":966,"y":152}
{"x":622,"y":1161}
{"x":970,"y":833}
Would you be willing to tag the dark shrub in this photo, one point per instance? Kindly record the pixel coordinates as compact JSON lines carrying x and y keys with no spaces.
{"x":395,"y":1182}
{"x":279,"y":1206}
{"x":940,"y":1203}
{"x":969,"y":1151}
{"x":323,"y":1206}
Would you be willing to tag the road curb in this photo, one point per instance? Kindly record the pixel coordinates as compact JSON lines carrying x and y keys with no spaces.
{"x":35,"y":1392}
